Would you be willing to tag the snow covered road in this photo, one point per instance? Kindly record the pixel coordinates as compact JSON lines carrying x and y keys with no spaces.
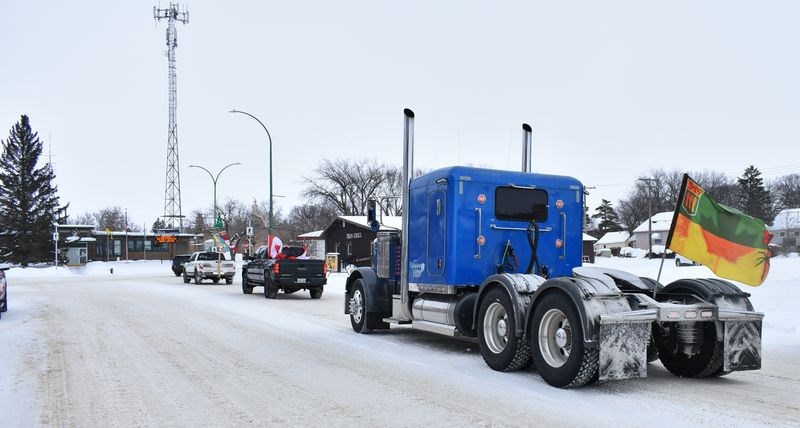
{"x":140,"y":348}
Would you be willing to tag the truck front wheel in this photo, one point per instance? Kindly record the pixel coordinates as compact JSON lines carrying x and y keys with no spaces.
{"x":361,"y":320}
{"x":556,"y":338}
{"x":500,"y":347}
{"x":198,"y":277}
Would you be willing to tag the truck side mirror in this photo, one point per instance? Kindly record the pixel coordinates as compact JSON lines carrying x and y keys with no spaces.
{"x":372,"y":217}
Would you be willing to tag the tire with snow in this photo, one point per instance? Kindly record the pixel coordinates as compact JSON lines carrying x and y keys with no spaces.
{"x":362,"y":321}
{"x":500,"y":347}
{"x":707,"y":358}
{"x":270,"y":290}
{"x":246,"y":287}
{"x":556,"y":337}
{"x":186,"y":278}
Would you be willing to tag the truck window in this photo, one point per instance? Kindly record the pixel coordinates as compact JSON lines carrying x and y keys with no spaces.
{"x":515,"y":203}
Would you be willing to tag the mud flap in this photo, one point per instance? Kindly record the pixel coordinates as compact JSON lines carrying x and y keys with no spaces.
{"x":623,"y":350}
{"x":742,"y":347}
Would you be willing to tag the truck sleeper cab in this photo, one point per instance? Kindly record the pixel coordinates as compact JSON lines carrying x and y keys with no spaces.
{"x":496,"y":256}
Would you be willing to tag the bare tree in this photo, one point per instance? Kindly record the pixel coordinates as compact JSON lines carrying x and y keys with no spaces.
{"x":112,"y":218}
{"x":346,"y":185}
{"x":786,"y":191}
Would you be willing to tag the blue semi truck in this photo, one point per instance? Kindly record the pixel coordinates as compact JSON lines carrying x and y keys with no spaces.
{"x":497,"y":256}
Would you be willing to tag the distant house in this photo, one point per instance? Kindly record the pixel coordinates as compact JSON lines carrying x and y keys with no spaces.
{"x":660,"y":224}
{"x":588,"y":248}
{"x":351,"y":237}
{"x":315,"y":244}
{"x":613,"y":240}
{"x":786,"y":229}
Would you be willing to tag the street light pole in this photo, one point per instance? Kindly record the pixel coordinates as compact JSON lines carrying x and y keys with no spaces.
{"x":214,"y":180}
{"x":650,"y":216}
{"x":269,"y":226}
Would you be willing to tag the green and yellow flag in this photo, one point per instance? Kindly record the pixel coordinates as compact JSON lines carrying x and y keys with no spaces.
{"x":728,"y":241}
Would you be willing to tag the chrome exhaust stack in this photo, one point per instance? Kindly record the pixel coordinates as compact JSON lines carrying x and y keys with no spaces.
{"x":527,"y":134}
{"x":408,"y":173}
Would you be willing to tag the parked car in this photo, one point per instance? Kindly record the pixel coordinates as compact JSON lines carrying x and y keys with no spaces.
{"x":3,"y":291}
{"x":177,"y":263}
{"x":684,"y":261}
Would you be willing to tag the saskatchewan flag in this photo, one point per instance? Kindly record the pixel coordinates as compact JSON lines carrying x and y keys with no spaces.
{"x":731,"y":243}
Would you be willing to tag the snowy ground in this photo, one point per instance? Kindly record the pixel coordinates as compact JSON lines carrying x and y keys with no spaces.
{"x":84,"y":347}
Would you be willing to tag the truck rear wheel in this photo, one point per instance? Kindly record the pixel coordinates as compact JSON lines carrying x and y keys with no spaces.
{"x":695,"y":351}
{"x":270,"y":291}
{"x":500,"y":347}
{"x":316,"y":293}
{"x":556,"y":337}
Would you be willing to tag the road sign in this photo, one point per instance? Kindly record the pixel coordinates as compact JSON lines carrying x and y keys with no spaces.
{"x":218,"y":223}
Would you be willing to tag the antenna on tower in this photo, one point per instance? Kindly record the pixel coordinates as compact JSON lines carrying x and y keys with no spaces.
{"x":172,"y":193}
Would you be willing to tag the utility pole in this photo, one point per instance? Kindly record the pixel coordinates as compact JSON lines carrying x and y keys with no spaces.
{"x":650,"y":215}
{"x":172,"y":193}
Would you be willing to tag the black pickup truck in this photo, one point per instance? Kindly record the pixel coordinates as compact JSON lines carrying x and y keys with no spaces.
{"x":287,"y":272}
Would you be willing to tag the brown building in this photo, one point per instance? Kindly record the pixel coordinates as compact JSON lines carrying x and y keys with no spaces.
{"x":351,"y":237}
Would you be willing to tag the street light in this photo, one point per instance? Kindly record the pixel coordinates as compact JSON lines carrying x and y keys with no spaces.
{"x":269,"y":226}
{"x":214,"y":179}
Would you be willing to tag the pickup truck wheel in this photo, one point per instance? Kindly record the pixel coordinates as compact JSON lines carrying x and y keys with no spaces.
{"x":4,"y":304}
{"x":500,"y":347}
{"x":229,"y":281}
{"x":177,"y":273}
{"x":316,"y":293}
{"x":215,"y":280}
{"x":556,"y":337}
{"x":186,"y":278}
{"x":246,"y":287}
{"x":198,"y":278}
{"x":270,"y":291}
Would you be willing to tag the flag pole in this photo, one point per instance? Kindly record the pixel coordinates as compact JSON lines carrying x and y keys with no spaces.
{"x":672,"y":226}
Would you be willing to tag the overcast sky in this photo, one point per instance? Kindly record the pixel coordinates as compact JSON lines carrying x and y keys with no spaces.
{"x":612,"y":89}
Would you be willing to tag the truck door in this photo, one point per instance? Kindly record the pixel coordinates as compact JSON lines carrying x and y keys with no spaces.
{"x":436,"y":232}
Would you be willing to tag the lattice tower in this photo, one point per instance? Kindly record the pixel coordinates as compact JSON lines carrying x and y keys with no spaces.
{"x":172,"y":193}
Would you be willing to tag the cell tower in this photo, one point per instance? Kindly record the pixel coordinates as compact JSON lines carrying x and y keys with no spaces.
{"x":172,"y":194}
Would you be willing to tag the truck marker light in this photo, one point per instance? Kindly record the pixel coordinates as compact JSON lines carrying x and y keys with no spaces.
{"x":481,"y":198}
{"x":673,"y":315}
{"x":481,"y":240}
{"x":559,"y":243}
{"x":559,"y":204}
{"x":706,"y":314}
{"x":690,"y":314}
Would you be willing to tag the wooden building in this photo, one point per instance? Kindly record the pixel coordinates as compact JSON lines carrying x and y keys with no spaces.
{"x":351,"y":237}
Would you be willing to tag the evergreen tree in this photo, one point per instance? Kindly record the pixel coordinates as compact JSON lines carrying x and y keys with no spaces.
{"x":755,"y":198}
{"x":609,"y":220}
{"x":29,"y":202}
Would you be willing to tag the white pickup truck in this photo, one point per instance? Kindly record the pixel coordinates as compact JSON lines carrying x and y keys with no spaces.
{"x":211,"y":265}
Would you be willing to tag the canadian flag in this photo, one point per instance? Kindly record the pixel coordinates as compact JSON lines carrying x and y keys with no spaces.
{"x":275,"y":245}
